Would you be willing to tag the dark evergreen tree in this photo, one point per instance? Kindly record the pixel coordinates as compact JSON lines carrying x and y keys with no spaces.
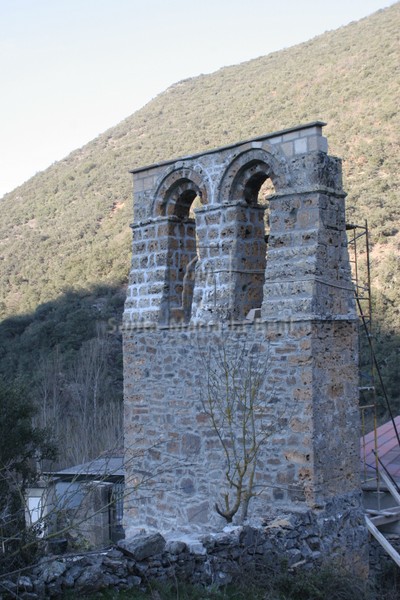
{"x":22,"y":446}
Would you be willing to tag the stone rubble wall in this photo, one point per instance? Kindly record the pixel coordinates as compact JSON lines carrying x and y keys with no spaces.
{"x":300,"y":541}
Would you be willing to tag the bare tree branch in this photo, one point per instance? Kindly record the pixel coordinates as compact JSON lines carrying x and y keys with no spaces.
{"x":237,"y":411}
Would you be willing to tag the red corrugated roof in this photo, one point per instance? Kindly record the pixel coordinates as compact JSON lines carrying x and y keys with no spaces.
{"x":388,"y":449}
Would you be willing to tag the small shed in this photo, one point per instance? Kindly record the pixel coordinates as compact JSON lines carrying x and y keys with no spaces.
{"x":82,"y":503}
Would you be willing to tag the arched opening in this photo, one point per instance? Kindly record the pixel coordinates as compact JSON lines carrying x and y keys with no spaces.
{"x":182,"y":200}
{"x":252,"y":186}
{"x":189,"y":256}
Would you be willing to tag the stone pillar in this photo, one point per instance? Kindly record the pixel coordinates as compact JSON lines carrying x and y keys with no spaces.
{"x":308,"y":271}
{"x":230,"y":272}
{"x":308,"y":281}
{"x":148,"y":272}
{"x":162,"y":250}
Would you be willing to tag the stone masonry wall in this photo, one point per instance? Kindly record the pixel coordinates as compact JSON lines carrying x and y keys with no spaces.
{"x":212,"y":296}
{"x":309,"y":453}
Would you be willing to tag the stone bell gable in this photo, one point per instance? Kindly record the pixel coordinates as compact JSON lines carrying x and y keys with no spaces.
{"x":224,"y":245}
{"x":242,"y":250}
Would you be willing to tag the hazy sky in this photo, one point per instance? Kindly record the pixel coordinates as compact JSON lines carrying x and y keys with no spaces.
{"x":70,"y":69}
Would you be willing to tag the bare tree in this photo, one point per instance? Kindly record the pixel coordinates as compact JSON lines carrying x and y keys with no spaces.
{"x":81,"y":401}
{"x":236,"y":402}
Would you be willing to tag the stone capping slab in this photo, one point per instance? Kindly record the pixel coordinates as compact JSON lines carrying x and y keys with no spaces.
{"x":241,"y":204}
{"x":156,"y":220}
{"x":304,"y":191}
{"x":284,"y":134}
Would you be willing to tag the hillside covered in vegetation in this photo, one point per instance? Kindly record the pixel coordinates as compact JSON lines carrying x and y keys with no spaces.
{"x":65,"y":237}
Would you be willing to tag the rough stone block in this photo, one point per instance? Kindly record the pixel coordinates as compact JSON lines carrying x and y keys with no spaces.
{"x":142,"y":546}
